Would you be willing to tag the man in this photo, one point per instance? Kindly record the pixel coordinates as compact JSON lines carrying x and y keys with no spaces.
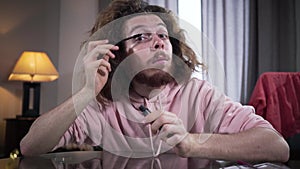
{"x":150,"y":67}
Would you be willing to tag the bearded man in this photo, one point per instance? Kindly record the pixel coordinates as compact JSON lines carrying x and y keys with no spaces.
{"x":139,"y":99}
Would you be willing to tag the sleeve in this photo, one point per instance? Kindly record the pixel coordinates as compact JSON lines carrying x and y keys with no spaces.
{"x":223,"y":115}
{"x":75,"y":134}
{"x":86,"y":129}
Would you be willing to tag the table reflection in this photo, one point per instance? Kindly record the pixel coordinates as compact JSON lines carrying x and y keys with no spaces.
{"x":106,"y":160}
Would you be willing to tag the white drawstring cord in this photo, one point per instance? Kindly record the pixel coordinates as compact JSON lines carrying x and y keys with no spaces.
{"x":160,"y":142}
{"x":145,"y":113}
{"x":155,"y":154}
{"x":152,"y":145}
{"x":155,"y":159}
{"x":159,"y":148}
{"x":158,"y":162}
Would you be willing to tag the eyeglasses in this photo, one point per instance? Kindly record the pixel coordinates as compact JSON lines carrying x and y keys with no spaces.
{"x":145,"y":37}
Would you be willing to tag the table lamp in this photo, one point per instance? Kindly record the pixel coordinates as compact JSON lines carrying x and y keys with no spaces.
{"x":33,"y":68}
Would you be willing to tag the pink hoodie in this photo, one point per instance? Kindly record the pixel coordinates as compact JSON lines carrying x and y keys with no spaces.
{"x":119,"y":128}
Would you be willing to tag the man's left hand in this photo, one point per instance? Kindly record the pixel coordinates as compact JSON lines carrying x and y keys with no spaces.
{"x":171,"y":130}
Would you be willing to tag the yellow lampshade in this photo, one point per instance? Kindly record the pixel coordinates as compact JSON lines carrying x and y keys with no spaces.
{"x":34,"y":67}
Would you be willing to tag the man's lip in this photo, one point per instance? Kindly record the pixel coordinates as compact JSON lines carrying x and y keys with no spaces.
{"x":160,"y":60}
{"x":160,"y":57}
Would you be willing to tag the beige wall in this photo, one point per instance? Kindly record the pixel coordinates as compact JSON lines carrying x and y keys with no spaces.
{"x":76,"y":19}
{"x":25,"y":25}
{"x":54,"y":26}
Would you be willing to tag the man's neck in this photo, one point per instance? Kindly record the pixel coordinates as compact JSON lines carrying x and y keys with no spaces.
{"x":146,"y":91}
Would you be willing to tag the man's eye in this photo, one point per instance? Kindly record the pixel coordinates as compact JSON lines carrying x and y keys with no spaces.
{"x":163,"y":36}
{"x":142,"y":37}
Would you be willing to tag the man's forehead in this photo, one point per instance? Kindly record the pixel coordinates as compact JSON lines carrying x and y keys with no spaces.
{"x":142,"y":22}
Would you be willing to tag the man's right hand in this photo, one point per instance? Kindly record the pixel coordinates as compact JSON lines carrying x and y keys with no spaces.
{"x":96,"y":64}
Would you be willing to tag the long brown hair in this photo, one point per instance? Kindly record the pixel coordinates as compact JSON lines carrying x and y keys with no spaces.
{"x":127,"y":9}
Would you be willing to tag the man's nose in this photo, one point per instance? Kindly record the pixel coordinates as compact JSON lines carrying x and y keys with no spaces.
{"x":158,"y":43}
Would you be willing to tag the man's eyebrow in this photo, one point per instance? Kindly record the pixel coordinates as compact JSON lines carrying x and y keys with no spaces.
{"x":144,"y":26}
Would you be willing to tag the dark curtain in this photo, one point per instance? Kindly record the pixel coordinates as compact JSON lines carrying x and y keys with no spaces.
{"x":274,"y":38}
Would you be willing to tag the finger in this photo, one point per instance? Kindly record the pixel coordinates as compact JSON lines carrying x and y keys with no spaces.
{"x":71,"y":146}
{"x":85,"y":147}
{"x":103,"y":71}
{"x":100,"y":51}
{"x":89,"y":148}
{"x":165,"y":118}
{"x":96,"y":64}
{"x":106,"y":56}
{"x":104,"y":68}
{"x":92,"y":44}
{"x":168,"y":130}
{"x":101,"y":66}
{"x":106,"y":64}
{"x":153,"y":116}
{"x":104,"y":52}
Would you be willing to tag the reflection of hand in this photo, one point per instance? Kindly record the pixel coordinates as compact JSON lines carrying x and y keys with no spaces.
{"x":171,"y":130}
{"x":96,"y":63}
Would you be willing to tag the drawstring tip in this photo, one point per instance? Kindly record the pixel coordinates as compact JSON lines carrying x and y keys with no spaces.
{"x":144,"y":110}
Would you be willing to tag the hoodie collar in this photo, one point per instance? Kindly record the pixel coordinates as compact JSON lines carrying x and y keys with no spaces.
{"x":163,"y":95}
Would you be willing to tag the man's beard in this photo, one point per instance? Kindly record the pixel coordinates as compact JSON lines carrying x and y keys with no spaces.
{"x":153,"y":77}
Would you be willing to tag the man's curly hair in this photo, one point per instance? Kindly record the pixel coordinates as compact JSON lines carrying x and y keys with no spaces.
{"x":120,"y":11}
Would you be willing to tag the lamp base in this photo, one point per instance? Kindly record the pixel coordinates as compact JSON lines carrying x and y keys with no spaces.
{"x":31,"y":99}
{"x":30,"y":114}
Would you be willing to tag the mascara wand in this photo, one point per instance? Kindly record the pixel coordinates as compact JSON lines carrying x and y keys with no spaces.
{"x":144,"y":110}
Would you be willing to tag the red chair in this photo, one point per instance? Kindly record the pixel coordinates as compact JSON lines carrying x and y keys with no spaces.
{"x":276,"y":97}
